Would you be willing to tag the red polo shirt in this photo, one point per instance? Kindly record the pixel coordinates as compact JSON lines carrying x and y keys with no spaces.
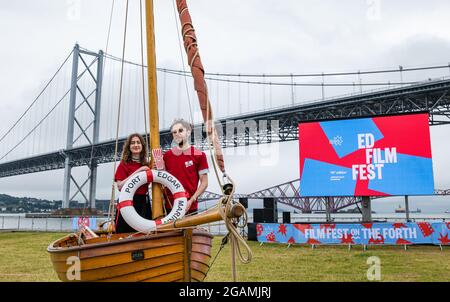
{"x":125,"y":169}
{"x":186,"y":166}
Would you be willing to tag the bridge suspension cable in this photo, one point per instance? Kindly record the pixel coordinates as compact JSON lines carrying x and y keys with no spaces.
{"x":212,"y":76}
{"x":321,"y":74}
{"x":227,"y":86}
{"x":37,"y":125}
{"x":301,"y":84}
{"x":294,"y":75}
{"x":46,"y":115}
{"x":36,"y":99}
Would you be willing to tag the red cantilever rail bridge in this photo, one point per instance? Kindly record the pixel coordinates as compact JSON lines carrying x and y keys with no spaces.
{"x":288,"y":193}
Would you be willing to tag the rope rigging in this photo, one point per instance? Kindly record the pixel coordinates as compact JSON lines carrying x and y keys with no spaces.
{"x":226,"y":203}
{"x":185,"y":74}
{"x":91,"y":163}
{"x":111,"y":203}
{"x":191,"y":47}
{"x":143,"y":80}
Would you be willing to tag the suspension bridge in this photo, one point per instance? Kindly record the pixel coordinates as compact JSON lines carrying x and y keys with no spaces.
{"x":75,"y":119}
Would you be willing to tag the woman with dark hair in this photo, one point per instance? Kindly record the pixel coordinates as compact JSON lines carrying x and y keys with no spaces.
{"x":133,"y":160}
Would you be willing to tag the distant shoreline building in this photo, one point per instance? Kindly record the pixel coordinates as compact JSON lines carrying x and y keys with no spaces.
{"x":403,"y":210}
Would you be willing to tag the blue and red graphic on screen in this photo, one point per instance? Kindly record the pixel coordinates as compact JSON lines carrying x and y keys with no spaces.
{"x":365,"y":233}
{"x":377,"y":156}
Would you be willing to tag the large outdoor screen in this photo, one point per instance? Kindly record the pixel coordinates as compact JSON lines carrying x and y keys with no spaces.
{"x":378,"y":156}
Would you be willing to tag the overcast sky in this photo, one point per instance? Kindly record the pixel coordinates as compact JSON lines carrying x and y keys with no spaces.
{"x":245,"y":36}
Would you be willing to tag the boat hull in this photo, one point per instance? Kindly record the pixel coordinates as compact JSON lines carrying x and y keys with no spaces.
{"x":181,"y":255}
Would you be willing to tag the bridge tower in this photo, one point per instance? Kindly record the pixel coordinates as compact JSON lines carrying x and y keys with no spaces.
{"x":88,"y":99}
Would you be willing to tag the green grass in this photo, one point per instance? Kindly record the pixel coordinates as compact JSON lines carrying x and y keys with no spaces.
{"x":275,"y":262}
{"x":24,"y":258}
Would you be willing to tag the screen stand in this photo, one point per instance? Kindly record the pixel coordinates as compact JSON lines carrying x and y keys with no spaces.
{"x":407,"y":208}
{"x":366,"y":209}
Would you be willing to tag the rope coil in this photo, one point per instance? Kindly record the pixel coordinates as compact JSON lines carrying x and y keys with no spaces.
{"x":232,"y":226}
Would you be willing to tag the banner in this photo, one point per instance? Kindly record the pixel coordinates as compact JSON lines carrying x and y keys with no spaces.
{"x":379,"y":156}
{"x":364,"y":233}
{"x":89,"y":222}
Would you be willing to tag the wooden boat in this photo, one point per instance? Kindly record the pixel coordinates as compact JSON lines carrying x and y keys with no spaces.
{"x":176,"y":251}
{"x":181,"y":255}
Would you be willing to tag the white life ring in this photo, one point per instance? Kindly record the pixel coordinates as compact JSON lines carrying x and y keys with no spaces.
{"x":129,"y":214}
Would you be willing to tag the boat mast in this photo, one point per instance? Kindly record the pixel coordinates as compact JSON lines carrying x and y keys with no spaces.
{"x":157,"y":203}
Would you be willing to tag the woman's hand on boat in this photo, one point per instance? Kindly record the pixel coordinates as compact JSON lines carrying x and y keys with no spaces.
{"x":189,"y":203}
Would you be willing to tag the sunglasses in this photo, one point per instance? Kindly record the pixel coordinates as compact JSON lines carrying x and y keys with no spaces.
{"x":179,"y":131}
